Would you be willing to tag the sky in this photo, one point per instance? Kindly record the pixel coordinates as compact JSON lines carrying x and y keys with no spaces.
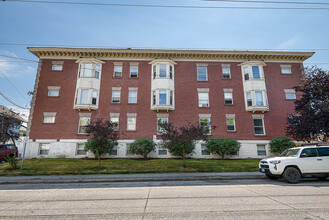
{"x":28,"y":24}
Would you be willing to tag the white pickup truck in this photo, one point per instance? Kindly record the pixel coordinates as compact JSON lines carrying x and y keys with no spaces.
{"x":298,"y":162}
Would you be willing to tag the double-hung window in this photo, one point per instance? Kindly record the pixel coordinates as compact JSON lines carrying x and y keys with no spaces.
{"x":81,"y":149}
{"x":49,"y":117}
{"x":246,"y":73}
{"x":116,"y":94}
{"x":259,"y":98}
{"x":203,"y":95}
{"x":132,"y":96}
{"x":84,"y":96}
{"x":228,"y":96}
{"x":230,"y":122}
{"x":249,"y":99}
{"x":162,"y":70}
{"x":261,"y":150}
{"x":204,"y":150}
{"x":131,"y":121}
{"x":53,"y":91}
{"x":114,"y":119}
{"x":255,"y":72}
{"x":133,"y":70}
{"x":117,"y":73}
{"x":205,"y":123}
{"x":202,"y":73}
{"x":290,"y":94}
{"x":44,"y":149}
{"x":89,"y":70}
{"x":226,"y":71}
{"x":84,"y":120}
{"x":161,"y":122}
{"x":162,"y":97}
{"x":57,"y":65}
{"x":258,"y":121}
{"x":286,"y":69}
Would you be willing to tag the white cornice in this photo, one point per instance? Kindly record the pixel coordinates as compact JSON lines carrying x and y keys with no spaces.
{"x":147,"y":54}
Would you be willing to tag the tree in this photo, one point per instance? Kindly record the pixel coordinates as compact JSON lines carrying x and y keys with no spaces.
{"x":180,"y":141}
{"x":10,"y":123}
{"x":279,"y":144}
{"x":223,"y":146}
{"x":142,"y":146}
{"x":103,"y":138}
{"x":311,"y":106}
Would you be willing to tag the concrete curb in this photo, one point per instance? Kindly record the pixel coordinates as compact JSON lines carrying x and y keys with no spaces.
{"x":157,"y":177}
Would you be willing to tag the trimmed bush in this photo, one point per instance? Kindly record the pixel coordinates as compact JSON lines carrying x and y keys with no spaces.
{"x":279,"y":144}
{"x":142,"y":146}
{"x":223,"y":146}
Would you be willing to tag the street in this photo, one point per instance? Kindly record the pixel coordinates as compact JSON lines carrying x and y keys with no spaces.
{"x":227,"y":199}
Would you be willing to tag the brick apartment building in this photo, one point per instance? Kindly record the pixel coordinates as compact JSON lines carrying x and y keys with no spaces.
{"x":247,"y":95}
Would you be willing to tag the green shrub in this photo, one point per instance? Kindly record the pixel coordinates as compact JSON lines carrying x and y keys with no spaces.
{"x":223,"y":146}
{"x":142,"y":146}
{"x":279,"y":144}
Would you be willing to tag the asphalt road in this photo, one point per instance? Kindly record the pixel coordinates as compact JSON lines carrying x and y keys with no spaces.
{"x":227,"y":199}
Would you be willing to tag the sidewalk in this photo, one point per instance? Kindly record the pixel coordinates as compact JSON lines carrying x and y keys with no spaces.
{"x":151,"y":177}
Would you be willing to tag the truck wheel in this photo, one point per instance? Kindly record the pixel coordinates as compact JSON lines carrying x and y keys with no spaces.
{"x":271,"y":176}
{"x":292,"y":175}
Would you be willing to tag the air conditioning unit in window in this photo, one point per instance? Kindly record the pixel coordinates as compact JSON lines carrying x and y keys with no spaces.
{"x":204,"y":105}
{"x":116,"y":100}
{"x":117,"y":74}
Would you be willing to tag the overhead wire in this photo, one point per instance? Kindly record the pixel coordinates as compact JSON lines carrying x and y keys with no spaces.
{"x":13,"y":86}
{"x":12,"y":102}
{"x":271,"y":2}
{"x":166,"y":6}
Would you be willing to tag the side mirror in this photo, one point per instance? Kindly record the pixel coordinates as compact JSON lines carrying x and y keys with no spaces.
{"x":304,"y":155}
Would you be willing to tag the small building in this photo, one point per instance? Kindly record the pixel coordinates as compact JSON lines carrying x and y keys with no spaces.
{"x":246,"y":95}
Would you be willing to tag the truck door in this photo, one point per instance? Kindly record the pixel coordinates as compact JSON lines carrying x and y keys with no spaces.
{"x":311,"y":161}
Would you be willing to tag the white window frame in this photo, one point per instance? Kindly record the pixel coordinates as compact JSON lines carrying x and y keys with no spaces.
{"x":163,"y":149}
{"x":286,"y":69}
{"x":44,"y":147}
{"x":86,"y":116}
{"x":169,"y":69}
{"x":114,"y":149}
{"x":259,"y":152}
{"x":53,"y":91}
{"x":247,"y":70}
{"x":57,"y":65}
{"x":117,"y":65}
{"x":116,"y":90}
{"x":115,"y":118}
{"x":226,"y":67}
{"x":253,"y":98}
{"x":133,"y":122}
{"x":202,"y":102}
{"x":258,"y":117}
{"x":131,"y":91}
{"x":95,"y":70}
{"x":203,"y":150}
{"x":290,"y":92}
{"x":160,"y":117}
{"x":132,"y":66}
{"x":81,"y":151}
{"x":208,"y":118}
{"x":202,"y":66}
{"x":230,"y":117}
{"x":227,"y":93}
{"x":49,"y":117}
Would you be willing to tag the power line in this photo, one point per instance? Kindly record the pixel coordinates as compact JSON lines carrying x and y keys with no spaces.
{"x":164,"y":6}
{"x":1,"y":55}
{"x":12,"y":102}
{"x":271,"y":2}
{"x":13,"y":85}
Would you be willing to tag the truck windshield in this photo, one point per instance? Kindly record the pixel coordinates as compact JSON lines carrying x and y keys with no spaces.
{"x":289,"y":153}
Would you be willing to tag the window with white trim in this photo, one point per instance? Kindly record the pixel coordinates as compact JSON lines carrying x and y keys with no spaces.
{"x":285,"y":69}
{"x":204,"y":150}
{"x":163,"y":70}
{"x":84,"y":120}
{"x":230,"y":122}
{"x":86,"y":97}
{"x":249,"y":99}
{"x":162,"y":97}
{"x":133,"y":73}
{"x":226,"y":71}
{"x":128,"y":152}
{"x":131,"y":121}
{"x":114,"y":119}
{"x":81,"y":149}
{"x":162,"y":120}
{"x":117,"y":72}
{"x":89,"y":70}
{"x":44,"y":149}
{"x":57,"y":65}
{"x":49,"y":117}
{"x":261,"y":150}
{"x":253,"y":70}
{"x":132,"y":96}
{"x":256,"y":98}
{"x":162,"y":151}
{"x":204,"y":120}
{"x":202,"y":72}
{"x":290,"y":94}
{"x":228,"y":96}
{"x":53,"y":91}
{"x":116,"y":94}
{"x":258,"y":122}
{"x":259,"y":98}
{"x":114,"y":151}
{"x":203,"y":96}
{"x":246,"y":73}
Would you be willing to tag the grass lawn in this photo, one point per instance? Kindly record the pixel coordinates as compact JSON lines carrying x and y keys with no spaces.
{"x":121,"y":166}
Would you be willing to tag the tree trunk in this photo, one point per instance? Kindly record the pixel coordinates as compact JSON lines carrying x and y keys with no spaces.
{"x":14,"y":162}
{"x":99,"y":159}
{"x":184,"y":164}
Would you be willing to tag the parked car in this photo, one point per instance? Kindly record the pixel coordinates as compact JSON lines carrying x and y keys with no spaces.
{"x":295,"y":163}
{"x":7,"y":150}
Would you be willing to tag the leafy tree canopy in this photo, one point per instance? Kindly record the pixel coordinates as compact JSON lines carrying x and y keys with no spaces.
{"x":311,"y":106}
